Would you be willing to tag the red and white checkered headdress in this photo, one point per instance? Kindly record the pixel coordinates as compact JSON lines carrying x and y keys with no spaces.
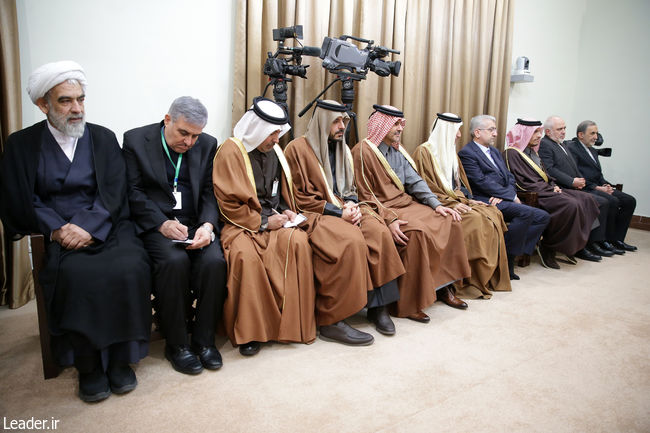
{"x":381,"y":121}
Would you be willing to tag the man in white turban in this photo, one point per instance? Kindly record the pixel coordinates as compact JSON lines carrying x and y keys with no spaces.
{"x":270,"y":276}
{"x":66,"y":178}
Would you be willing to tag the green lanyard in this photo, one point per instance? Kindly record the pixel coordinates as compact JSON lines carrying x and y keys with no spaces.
{"x":177,"y":166}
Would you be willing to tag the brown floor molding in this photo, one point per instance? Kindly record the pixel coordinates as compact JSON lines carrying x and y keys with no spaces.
{"x":640,"y":222}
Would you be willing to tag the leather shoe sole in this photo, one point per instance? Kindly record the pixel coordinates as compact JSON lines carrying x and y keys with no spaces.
{"x":382,"y":321}
{"x":94,"y":386}
{"x":420,"y":316}
{"x":341,"y":332}
{"x":608,"y":246}
{"x":121,"y":378}
{"x":447,"y":296}
{"x":209,"y":356}
{"x":183,"y":360}
{"x":249,"y":349}
{"x":586,"y":254}
{"x":623,"y":246}
{"x":600,"y":251}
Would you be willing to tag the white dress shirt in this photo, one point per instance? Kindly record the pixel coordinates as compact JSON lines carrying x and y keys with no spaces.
{"x":588,"y":152}
{"x":68,"y":144}
{"x":486,"y":151}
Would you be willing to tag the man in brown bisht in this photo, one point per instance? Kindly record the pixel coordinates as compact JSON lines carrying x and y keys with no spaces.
{"x":483,"y":225}
{"x":270,"y":275}
{"x":428,"y":235}
{"x":359,"y":241}
{"x":573,"y":213}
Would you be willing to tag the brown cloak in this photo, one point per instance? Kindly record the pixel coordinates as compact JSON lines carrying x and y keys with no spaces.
{"x":371,"y":258}
{"x":434,"y":255}
{"x":483,"y":230}
{"x":572,"y":212}
{"x":270,"y":276}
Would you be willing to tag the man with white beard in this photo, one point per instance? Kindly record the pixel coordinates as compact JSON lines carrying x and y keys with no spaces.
{"x":66,"y":178}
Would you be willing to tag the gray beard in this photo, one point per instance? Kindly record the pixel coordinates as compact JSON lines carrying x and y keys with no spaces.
{"x":71,"y":130}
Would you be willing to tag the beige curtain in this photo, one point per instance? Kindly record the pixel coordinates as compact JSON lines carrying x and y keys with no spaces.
{"x":16,"y":284}
{"x":455,"y":57}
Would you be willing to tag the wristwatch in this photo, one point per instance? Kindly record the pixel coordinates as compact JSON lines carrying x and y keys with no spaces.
{"x":207,"y":228}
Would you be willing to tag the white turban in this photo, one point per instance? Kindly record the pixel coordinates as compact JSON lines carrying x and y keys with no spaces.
{"x":252,"y":129}
{"x":52,"y":74}
{"x":442,"y":143}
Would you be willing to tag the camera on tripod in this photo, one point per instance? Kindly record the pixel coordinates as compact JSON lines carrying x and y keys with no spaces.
{"x":279,"y":67}
{"x":340,"y":54}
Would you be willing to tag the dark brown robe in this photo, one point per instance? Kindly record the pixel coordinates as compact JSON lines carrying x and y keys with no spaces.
{"x":363,"y":256}
{"x":270,"y":275}
{"x":483,"y":230}
{"x":572,"y":212}
{"x":435,"y":253}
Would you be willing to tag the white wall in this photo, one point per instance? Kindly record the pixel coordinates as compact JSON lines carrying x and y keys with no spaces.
{"x":138,"y":56}
{"x":590,"y":59}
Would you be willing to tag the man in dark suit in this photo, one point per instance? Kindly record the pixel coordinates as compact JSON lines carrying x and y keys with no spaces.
{"x":561,"y":165}
{"x":492,"y":183}
{"x":169,"y":167}
{"x":621,"y":205}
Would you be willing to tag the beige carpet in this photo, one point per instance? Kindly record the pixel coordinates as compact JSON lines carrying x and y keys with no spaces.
{"x":566,"y":351}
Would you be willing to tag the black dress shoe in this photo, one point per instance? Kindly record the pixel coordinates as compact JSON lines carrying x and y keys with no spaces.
{"x":94,"y":386}
{"x":208,"y":355}
{"x":547,"y":257}
{"x":122,"y":378}
{"x":182,"y":359}
{"x":447,"y":296}
{"x":586,"y":254}
{"x":249,"y":349}
{"x":379,"y":316}
{"x":623,"y":246}
{"x":608,"y":246}
{"x":341,"y":332}
{"x":600,"y":251}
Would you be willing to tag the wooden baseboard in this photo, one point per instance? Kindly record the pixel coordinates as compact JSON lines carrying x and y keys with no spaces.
{"x":640,"y":222}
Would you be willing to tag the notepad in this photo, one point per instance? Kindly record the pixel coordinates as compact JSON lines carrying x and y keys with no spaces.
{"x":299,"y":219}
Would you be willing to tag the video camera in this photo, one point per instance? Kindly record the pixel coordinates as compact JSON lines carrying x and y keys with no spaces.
{"x":605,"y":151}
{"x":340,"y":54}
{"x":279,"y":67}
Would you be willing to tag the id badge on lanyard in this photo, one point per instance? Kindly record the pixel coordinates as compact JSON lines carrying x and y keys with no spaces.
{"x":179,"y":200}
{"x":177,"y":194}
{"x":274,"y":191}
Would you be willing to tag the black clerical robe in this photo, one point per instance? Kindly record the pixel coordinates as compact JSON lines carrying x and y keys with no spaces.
{"x":100,"y":292}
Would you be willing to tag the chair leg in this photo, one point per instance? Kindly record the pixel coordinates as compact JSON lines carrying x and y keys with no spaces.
{"x":50,"y":367}
{"x":523,"y":260}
